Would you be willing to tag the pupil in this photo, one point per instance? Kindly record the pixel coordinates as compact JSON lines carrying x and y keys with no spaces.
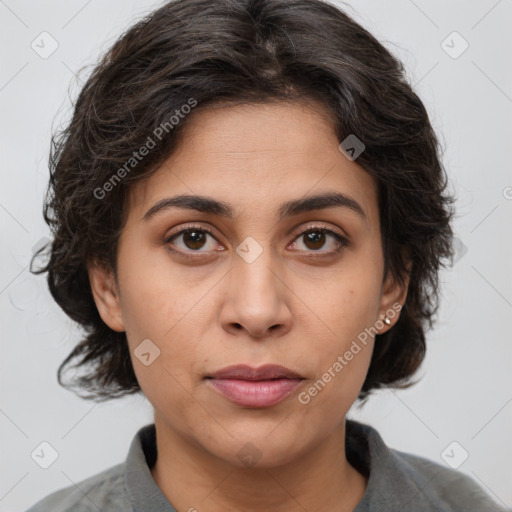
{"x":316,"y":238}
{"x":194,"y":239}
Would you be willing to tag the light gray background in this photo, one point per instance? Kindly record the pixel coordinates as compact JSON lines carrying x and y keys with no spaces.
{"x":465,"y":394}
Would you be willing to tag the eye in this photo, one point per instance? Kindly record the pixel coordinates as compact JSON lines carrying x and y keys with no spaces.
{"x":193,"y":238}
{"x":316,"y":238}
{"x":200,"y":239}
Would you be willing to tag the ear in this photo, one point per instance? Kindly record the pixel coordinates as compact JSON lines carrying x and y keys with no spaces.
{"x":393,"y":296}
{"x":106,"y":296}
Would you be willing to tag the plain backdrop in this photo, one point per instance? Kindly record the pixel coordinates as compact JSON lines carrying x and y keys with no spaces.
{"x":462,"y":405}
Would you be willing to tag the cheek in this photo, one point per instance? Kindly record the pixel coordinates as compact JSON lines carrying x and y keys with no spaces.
{"x":348,"y":309}
{"x":162,"y":308}
{"x":155,"y":292}
{"x":350,"y":302}
{"x":341,"y":360}
{"x":170,"y":376}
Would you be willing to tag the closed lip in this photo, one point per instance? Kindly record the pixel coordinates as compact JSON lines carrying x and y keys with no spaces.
{"x":246,"y":372}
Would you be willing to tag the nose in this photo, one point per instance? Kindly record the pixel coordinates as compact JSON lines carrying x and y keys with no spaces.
{"x":256,"y":299}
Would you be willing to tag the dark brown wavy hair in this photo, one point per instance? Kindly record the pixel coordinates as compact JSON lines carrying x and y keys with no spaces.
{"x":241,"y":51}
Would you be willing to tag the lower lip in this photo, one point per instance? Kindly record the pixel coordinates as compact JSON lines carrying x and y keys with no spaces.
{"x":257,"y":393}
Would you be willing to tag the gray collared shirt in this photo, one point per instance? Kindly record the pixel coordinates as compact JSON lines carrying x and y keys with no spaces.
{"x":397,"y":481}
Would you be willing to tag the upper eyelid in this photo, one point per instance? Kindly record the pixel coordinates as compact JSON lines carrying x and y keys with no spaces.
{"x":325,"y":226}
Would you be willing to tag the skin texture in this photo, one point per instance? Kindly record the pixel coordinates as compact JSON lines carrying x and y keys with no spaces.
{"x":289,"y":306}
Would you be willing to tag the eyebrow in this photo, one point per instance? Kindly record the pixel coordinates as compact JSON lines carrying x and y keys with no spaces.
{"x":206,"y":204}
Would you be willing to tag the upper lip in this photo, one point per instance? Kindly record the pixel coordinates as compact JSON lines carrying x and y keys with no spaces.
{"x":265,"y":372}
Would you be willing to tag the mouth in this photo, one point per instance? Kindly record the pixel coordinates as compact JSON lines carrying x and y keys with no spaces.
{"x":255,"y":387}
{"x":265,"y":372}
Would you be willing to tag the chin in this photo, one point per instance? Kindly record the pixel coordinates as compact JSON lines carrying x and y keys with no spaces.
{"x":259,"y":450}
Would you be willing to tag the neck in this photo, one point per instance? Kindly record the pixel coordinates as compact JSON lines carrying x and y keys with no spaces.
{"x":321,"y":479}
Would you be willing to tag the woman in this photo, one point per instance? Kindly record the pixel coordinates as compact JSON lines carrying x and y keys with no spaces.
{"x":250,"y":215}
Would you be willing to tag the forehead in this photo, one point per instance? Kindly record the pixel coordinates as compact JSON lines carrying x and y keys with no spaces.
{"x":255,"y":157}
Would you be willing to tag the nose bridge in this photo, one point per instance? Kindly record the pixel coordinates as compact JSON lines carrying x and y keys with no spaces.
{"x":254,"y":270}
{"x":256,"y":299}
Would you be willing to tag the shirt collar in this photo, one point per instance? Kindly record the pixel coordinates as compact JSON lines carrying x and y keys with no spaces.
{"x":366,"y":450}
{"x":142,"y":490}
{"x":386,"y":488}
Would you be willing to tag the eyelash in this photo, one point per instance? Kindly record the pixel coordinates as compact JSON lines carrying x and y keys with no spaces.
{"x":342,"y":241}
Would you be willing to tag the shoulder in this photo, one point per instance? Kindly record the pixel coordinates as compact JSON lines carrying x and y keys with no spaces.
{"x":446,"y":488}
{"x":103,"y":491}
{"x":410,"y":483}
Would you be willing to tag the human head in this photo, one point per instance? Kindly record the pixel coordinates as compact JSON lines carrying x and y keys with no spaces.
{"x":198,"y":53}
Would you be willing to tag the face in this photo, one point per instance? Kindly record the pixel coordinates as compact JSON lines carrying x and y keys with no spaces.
{"x":254,"y":276}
